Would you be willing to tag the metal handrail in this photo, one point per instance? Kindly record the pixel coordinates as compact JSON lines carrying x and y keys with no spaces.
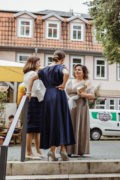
{"x":4,"y":148}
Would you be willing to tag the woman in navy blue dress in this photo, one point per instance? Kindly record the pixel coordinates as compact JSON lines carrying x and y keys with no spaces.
{"x":57,"y":129}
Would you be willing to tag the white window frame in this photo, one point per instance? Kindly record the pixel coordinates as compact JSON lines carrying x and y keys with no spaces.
{"x":71,"y":63}
{"x":95,"y":68}
{"x":112,"y":105}
{"x":46,"y":58}
{"x":19,"y":28}
{"x":22,"y":54}
{"x":58,"y":29}
{"x":118,"y":71}
{"x":82,"y":31}
{"x":100,"y":104}
{"x":118,"y":104}
{"x":94,"y":35}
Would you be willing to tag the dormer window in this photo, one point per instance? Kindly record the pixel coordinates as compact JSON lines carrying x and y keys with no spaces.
{"x":77,"y":32}
{"x":25,"y":28}
{"x":52,"y":30}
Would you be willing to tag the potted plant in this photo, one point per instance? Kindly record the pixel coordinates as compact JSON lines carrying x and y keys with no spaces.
{"x":3,"y":99}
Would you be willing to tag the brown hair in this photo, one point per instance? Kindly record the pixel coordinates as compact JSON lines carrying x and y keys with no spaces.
{"x":11,"y":116}
{"x":84,"y":69}
{"x":58,"y":55}
{"x":30,"y":64}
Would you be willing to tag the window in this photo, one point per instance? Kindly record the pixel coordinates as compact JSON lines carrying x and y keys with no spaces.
{"x":100,"y":68}
{"x":100,"y":104}
{"x":118,"y":116}
{"x":100,"y":35}
{"x":52,"y":30}
{"x":25,"y":28}
{"x":119,"y":104}
{"x":21,"y":57}
{"x":75,"y":60}
{"x":48,"y":60}
{"x":94,"y":35}
{"x":112,"y":104}
{"x":77,"y":32}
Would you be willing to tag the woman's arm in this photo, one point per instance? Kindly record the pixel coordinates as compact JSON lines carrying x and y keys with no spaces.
{"x":86,"y":95}
{"x":90,"y":93}
{"x":65,"y":78}
{"x":30,"y":84}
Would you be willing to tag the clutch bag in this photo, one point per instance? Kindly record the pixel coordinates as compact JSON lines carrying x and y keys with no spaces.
{"x":81,"y":89}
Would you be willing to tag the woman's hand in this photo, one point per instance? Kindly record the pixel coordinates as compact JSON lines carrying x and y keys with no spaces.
{"x":61,"y":87}
{"x":28,"y":96}
{"x":82,"y":94}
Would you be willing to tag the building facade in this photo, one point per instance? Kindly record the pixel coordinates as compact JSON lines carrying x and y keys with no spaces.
{"x":23,"y":34}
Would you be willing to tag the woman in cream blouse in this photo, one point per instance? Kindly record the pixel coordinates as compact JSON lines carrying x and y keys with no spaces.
{"x":35,"y":104}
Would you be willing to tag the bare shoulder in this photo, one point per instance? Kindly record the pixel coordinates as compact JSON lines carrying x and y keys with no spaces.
{"x":65,"y":71}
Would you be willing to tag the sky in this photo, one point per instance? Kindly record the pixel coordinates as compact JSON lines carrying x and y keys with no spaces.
{"x":38,"y":5}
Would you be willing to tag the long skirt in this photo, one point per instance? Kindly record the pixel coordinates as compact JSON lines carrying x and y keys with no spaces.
{"x":81,"y":127}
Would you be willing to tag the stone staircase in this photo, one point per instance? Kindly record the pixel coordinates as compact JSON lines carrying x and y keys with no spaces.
{"x":71,"y":170}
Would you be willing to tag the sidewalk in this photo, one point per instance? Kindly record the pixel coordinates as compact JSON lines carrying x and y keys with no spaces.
{"x":104,"y":149}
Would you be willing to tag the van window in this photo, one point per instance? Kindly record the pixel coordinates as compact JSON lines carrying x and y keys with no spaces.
{"x":118,"y":116}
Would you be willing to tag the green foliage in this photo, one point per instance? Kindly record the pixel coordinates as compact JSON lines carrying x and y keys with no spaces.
{"x":3,"y":99}
{"x":106,"y":19}
{"x":92,"y":101}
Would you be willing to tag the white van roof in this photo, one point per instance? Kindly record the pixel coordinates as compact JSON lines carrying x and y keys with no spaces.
{"x":108,"y":110}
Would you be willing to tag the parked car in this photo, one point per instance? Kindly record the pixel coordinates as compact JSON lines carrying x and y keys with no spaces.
{"x":104,"y":123}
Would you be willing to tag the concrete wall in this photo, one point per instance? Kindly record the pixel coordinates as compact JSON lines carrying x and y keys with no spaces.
{"x":7,"y":55}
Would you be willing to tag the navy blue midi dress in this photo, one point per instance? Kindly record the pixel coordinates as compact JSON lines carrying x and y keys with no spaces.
{"x":57,"y":126}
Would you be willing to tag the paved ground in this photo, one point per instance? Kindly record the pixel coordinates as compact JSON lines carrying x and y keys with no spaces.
{"x":103,"y":149}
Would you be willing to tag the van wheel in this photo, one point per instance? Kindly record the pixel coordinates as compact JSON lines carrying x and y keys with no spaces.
{"x":95,"y":134}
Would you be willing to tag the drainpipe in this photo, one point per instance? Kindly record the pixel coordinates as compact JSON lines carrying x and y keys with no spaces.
{"x":36,"y":51}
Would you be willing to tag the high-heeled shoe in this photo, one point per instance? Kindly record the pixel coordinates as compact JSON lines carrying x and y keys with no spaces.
{"x":52,"y":155}
{"x":64,"y":155}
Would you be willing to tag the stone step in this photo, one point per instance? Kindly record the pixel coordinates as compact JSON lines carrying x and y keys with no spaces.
{"x":68,"y":177}
{"x":61,"y":167}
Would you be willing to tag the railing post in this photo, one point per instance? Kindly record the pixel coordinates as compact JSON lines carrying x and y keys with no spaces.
{"x":4,"y":147}
{"x":24,"y":120}
{"x":3,"y":162}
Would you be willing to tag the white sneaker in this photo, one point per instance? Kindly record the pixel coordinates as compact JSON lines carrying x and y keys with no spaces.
{"x":40,"y":155}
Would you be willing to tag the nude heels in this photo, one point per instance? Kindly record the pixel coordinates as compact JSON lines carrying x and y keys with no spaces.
{"x":52,"y":155}
{"x":64,"y":155}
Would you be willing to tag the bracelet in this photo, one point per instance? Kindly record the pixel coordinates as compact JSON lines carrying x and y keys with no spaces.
{"x":28,"y":92}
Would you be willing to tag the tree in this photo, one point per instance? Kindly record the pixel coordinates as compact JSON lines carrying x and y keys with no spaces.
{"x":106,"y":19}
